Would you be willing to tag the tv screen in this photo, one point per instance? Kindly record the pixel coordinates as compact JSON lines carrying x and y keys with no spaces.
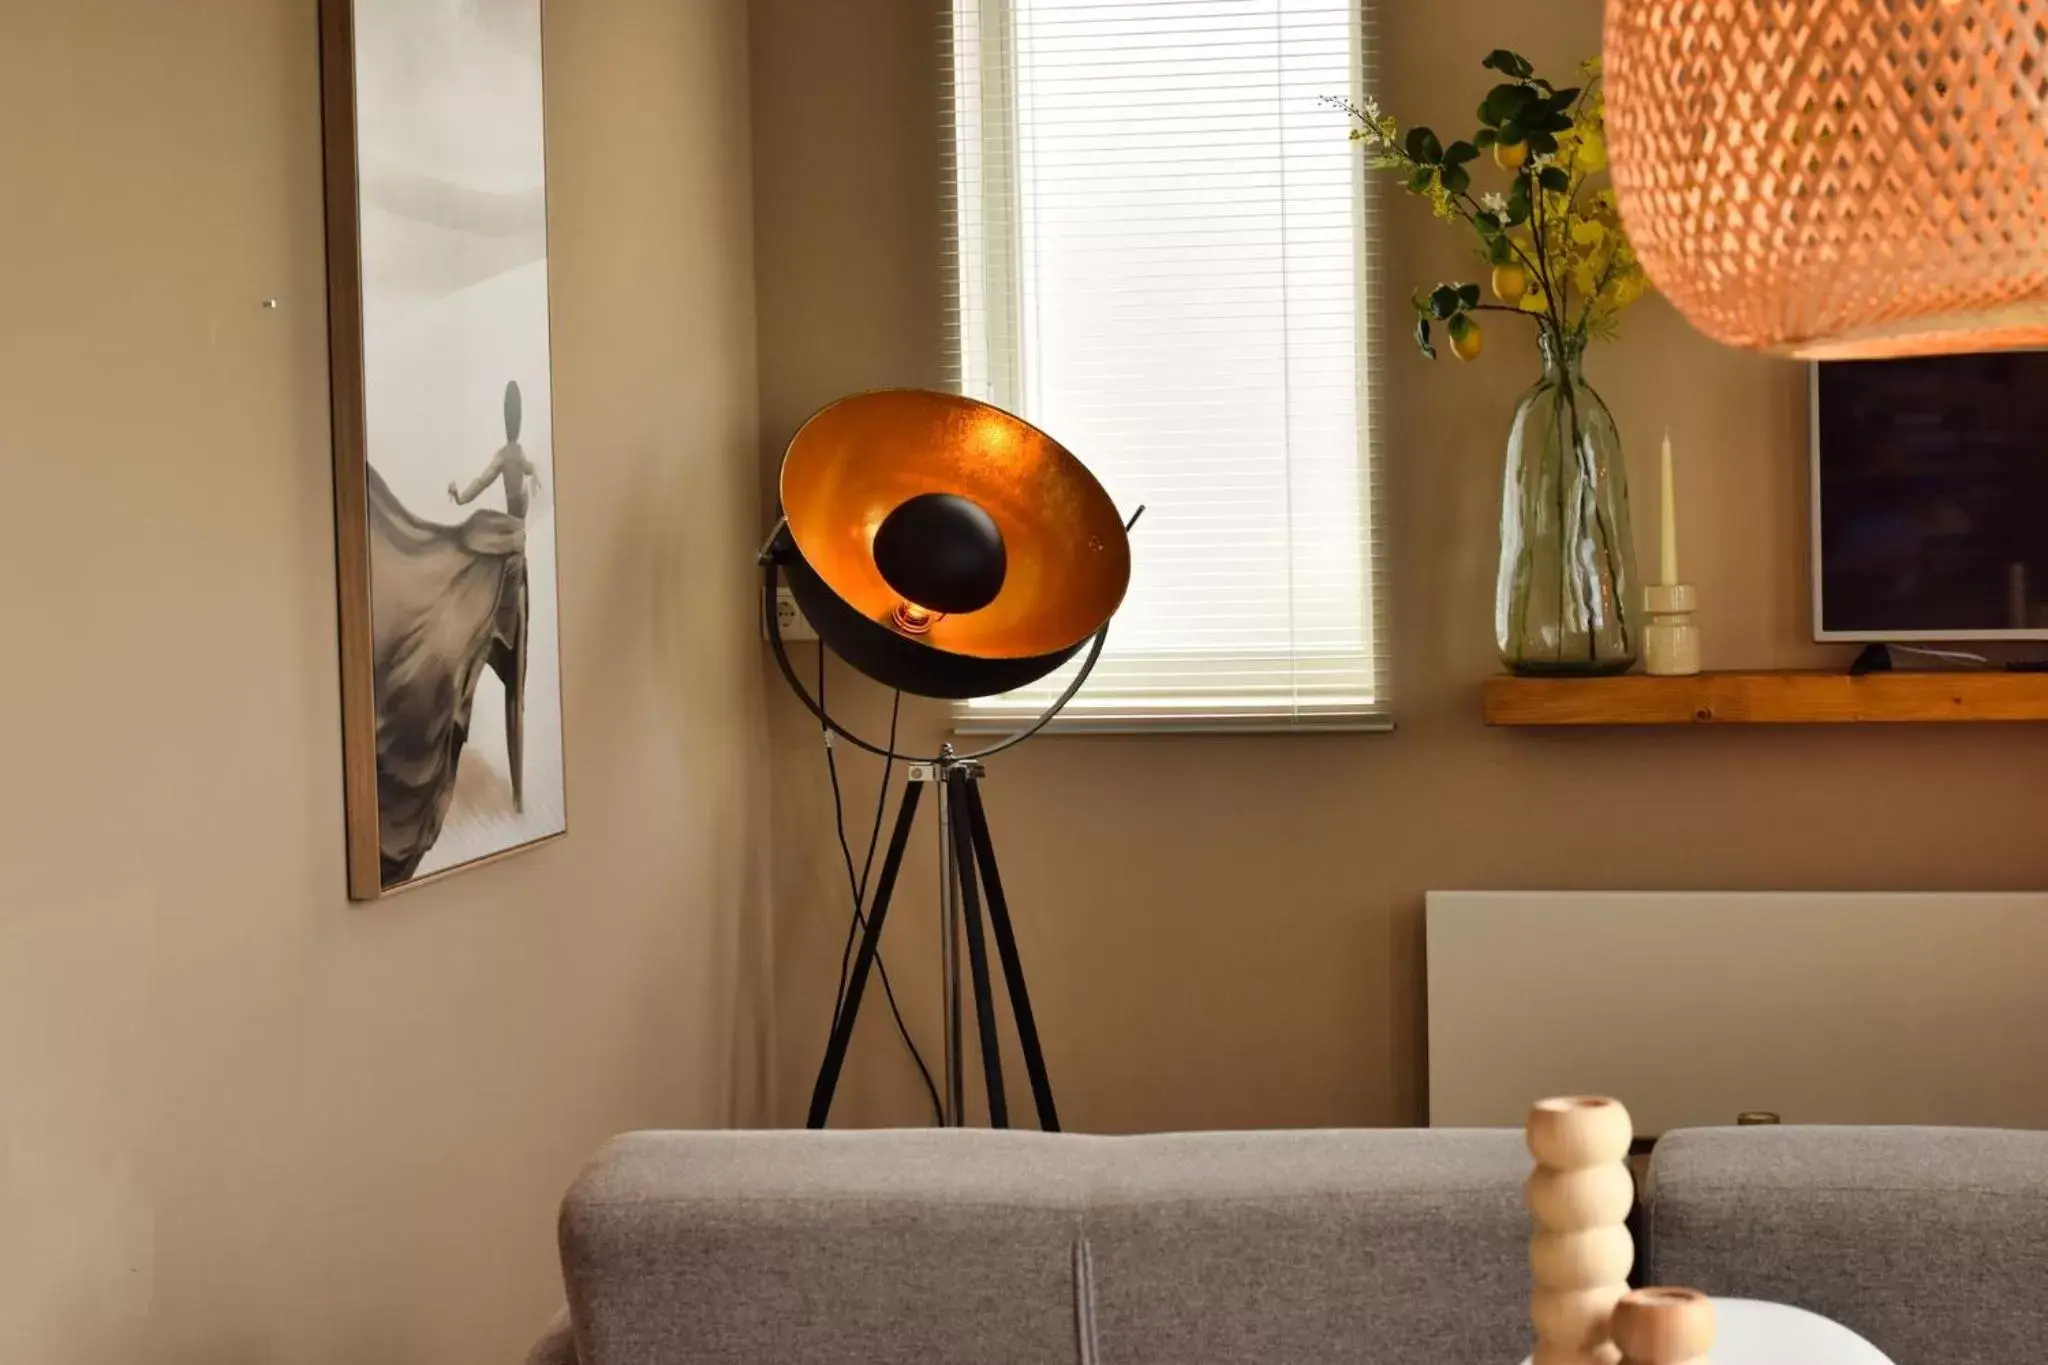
{"x":1930,"y":488}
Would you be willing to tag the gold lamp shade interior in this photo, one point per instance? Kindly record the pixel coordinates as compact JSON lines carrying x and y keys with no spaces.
{"x":1068,"y":559}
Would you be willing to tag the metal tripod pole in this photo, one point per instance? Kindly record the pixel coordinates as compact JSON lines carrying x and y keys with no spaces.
{"x":863,"y":962}
{"x":954,"y":1106}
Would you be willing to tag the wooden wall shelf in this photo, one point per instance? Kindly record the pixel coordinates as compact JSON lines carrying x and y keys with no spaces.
{"x":1785,"y":698}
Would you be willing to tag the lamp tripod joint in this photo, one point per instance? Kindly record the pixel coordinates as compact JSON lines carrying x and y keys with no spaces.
{"x":944,"y":766}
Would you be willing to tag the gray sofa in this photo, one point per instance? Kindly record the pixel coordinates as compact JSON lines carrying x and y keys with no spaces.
{"x":1380,"y":1247}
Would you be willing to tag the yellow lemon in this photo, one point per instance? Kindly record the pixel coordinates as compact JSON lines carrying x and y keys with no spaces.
{"x":1467,"y":341}
{"x":1510,"y":282}
{"x":1510,"y":156}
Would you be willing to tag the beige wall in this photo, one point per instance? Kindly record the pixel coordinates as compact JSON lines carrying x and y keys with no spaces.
{"x":1227,"y":931}
{"x":242,"y":1120}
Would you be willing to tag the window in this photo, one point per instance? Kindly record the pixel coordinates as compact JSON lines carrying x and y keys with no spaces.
{"x":1160,"y":233}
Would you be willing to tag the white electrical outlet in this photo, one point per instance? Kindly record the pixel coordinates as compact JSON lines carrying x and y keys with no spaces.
{"x":789,"y":619}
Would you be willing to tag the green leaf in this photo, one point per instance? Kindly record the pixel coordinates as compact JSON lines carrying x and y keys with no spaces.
{"x":1469,"y":295}
{"x":1509,"y":64}
{"x":1424,"y":147}
{"x":1488,"y":224}
{"x":1554,"y":123}
{"x":1423,"y":178}
{"x":1511,"y":133}
{"x":1461,"y":327}
{"x":1503,"y":251}
{"x":1458,"y":153}
{"x":1509,"y":103}
{"x":1564,"y":99}
{"x":1485,"y":139}
{"x":1542,"y":144}
{"x":1445,"y":301}
{"x":1457,"y":179}
{"x":1555,"y":180}
{"x":1422,"y":338}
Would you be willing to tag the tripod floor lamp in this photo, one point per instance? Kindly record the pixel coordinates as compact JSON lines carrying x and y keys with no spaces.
{"x":946,"y":549}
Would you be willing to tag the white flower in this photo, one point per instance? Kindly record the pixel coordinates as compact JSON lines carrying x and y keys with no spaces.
{"x":1494,"y":203}
{"x":1542,"y":162}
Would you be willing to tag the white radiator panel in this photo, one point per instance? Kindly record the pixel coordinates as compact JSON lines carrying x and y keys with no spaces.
{"x":1692,"y":1007}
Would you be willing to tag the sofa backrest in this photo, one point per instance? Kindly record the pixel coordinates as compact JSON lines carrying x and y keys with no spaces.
{"x":1300,"y":1248}
{"x":1930,"y":1242}
{"x":1379,"y":1248}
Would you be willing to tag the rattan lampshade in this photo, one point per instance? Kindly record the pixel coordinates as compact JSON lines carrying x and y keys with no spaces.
{"x":1836,"y":179}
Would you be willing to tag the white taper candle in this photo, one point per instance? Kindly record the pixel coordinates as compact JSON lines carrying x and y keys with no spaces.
{"x":1667,"y":545}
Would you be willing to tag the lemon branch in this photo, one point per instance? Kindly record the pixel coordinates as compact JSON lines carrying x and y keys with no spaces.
{"x":1555,"y":241}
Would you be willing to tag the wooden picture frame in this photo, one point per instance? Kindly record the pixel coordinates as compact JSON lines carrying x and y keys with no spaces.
{"x":437,"y":297}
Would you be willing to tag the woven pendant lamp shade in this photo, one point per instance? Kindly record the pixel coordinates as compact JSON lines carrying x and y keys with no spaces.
{"x":1836,"y":179}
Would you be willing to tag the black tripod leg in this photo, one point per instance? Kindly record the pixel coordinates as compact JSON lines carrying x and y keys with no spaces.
{"x":864,"y":960}
{"x":977,"y":958}
{"x":1013,"y":965}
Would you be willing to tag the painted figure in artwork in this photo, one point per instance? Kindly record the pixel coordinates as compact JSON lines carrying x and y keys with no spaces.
{"x":509,"y":464}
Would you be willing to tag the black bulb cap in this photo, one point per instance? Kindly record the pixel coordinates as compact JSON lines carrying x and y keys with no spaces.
{"x":942,"y":552}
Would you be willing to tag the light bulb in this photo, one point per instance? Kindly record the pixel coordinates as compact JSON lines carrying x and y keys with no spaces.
{"x":912,"y":619}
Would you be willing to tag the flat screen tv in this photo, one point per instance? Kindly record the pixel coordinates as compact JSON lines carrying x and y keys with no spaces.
{"x":1930,"y":498}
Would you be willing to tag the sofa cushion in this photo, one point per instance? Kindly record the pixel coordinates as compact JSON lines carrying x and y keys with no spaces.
{"x":1394,"y":1247}
{"x":1930,"y":1242}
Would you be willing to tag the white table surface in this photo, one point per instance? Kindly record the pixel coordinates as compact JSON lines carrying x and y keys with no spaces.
{"x":1750,"y":1333}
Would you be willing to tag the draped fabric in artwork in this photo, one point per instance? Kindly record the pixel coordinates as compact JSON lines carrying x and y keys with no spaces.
{"x":447,"y":602}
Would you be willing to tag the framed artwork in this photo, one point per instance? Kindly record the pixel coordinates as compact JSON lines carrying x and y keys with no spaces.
{"x":443,"y":450}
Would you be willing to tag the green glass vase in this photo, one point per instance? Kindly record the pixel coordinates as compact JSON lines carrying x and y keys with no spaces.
{"x":1566,"y":602}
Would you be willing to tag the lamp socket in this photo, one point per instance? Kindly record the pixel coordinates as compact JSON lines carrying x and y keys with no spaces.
{"x":790,"y":620}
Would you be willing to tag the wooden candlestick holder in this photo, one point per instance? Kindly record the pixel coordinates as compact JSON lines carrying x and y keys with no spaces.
{"x":1579,"y":1196}
{"x":1664,"y":1327}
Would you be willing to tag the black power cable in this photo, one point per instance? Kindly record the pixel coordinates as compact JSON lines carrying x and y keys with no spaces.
{"x":858,"y":887}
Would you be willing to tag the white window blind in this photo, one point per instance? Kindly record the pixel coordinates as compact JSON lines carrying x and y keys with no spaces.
{"x":1160,"y":236}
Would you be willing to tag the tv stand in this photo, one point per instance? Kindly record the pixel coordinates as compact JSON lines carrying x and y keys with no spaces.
{"x":1927,"y":659}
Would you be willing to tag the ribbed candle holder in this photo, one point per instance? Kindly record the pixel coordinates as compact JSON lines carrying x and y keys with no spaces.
{"x":1579,"y":1196}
